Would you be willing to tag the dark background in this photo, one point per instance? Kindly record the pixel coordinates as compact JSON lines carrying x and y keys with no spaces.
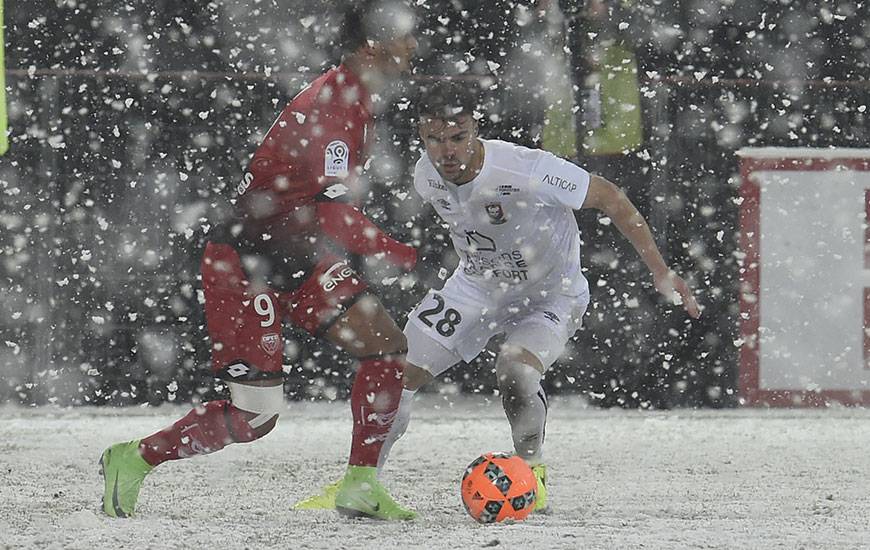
{"x":132,"y":123}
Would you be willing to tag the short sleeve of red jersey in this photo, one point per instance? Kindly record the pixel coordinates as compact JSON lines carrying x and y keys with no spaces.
{"x":337,"y":127}
{"x":279,"y":165}
{"x":338,"y":148}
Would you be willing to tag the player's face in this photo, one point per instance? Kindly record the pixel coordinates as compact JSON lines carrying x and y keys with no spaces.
{"x":394,"y":56}
{"x":452,"y":147}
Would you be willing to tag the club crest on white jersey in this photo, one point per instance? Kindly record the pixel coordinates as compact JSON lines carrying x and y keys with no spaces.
{"x":496,"y":213}
{"x":336,"y":159}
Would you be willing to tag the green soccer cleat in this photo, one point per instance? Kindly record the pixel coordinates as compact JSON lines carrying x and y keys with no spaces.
{"x":540,"y":471}
{"x":360,"y":494}
{"x":123,"y":470}
{"x":324,"y":501}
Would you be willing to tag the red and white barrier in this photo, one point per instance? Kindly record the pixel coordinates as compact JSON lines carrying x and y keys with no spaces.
{"x":805,"y":277}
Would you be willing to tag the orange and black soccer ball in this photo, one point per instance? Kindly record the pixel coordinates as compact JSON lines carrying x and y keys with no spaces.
{"x":499,"y":486}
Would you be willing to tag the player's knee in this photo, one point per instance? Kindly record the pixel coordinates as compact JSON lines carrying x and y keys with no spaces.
{"x":394,"y":342}
{"x":513,"y":353}
{"x":262,"y":403}
{"x":517,"y":379}
{"x":385,"y":340}
{"x":366,"y":329}
{"x":415,"y":378}
{"x":401,"y":341}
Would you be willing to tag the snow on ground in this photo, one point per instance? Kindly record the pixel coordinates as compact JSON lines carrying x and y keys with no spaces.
{"x":678,"y":479}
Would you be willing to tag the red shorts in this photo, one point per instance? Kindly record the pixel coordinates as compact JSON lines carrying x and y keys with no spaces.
{"x":244,"y":322}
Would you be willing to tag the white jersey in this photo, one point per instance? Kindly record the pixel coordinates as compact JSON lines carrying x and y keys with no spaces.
{"x":513,"y":225}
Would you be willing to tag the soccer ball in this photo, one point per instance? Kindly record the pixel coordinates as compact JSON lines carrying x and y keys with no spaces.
{"x":499,"y":486}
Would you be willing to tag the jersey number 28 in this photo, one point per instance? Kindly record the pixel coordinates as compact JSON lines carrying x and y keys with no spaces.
{"x":447,"y":325}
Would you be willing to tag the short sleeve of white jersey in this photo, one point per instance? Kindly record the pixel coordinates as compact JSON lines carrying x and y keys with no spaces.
{"x":557,"y":182}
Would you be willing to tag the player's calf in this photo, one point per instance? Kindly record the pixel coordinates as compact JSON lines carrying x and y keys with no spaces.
{"x":525,"y":405}
{"x":210,"y":427}
{"x":375,"y":397}
{"x":413,"y":379}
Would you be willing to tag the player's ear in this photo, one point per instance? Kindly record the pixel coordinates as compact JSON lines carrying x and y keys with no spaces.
{"x":369,"y":50}
{"x":420,"y":131}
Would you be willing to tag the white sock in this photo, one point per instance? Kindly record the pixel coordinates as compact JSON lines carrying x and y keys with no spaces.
{"x":400,"y":424}
{"x":525,"y":406}
{"x":528,"y":418}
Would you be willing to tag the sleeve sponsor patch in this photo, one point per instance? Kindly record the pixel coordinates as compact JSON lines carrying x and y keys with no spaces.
{"x":336,"y":159}
{"x":557,"y":182}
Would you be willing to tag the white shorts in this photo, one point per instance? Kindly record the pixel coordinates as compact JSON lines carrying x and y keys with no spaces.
{"x":456,"y":323}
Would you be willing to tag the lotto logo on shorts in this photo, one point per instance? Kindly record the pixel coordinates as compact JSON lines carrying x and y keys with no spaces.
{"x":238,"y":369}
{"x":269,"y":343}
{"x":335,"y":275}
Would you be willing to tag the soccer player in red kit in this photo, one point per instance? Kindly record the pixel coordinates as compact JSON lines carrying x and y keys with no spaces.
{"x":284,"y":256}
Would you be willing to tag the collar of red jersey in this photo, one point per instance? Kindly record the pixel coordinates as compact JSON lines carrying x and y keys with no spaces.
{"x":353,"y":79}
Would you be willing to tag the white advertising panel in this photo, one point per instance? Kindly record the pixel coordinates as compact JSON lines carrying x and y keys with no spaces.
{"x":805,"y":311}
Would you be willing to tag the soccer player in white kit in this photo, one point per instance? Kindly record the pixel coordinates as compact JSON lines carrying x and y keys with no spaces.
{"x":510,"y":212}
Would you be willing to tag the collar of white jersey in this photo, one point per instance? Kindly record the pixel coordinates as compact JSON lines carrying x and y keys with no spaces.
{"x":469,"y":186}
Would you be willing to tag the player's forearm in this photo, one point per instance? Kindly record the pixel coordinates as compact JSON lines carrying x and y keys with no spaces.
{"x":349,"y":227}
{"x":630,"y":223}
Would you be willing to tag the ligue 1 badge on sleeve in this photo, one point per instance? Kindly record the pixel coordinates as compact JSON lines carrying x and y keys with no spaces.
{"x":335,"y":160}
{"x":496,"y":213}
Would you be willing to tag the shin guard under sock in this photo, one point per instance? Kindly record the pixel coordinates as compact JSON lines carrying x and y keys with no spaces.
{"x":374,"y":400}
{"x":205,"y":429}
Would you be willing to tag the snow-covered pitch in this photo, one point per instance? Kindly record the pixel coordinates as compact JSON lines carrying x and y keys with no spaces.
{"x":676,"y":479}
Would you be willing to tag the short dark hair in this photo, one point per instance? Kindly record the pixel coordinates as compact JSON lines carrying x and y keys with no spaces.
{"x":374,"y":20}
{"x":446,"y":100}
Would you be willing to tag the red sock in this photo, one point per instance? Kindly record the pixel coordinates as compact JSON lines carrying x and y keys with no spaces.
{"x":205,"y":429}
{"x":374,"y":399}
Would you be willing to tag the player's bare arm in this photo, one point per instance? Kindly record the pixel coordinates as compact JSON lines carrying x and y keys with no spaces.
{"x":610,"y":199}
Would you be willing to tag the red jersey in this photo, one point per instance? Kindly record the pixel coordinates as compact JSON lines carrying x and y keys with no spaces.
{"x":319,"y":139}
{"x":286,"y":208}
